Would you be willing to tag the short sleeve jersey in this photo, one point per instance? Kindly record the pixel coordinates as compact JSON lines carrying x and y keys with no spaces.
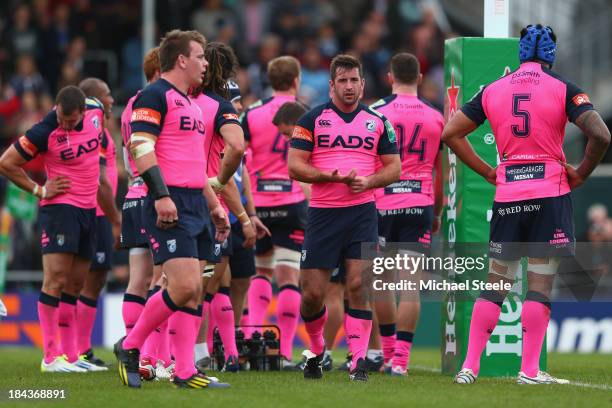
{"x":74,"y":154}
{"x":418,"y":128}
{"x":135,"y":189}
{"x":528,"y":110}
{"x":343,"y":141}
{"x":108,"y":155}
{"x":163,"y":111}
{"x":270,"y":181}
{"x":217,"y":112}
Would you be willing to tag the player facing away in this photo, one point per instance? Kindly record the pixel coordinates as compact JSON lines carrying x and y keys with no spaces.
{"x":224,"y":149}
{"x":409,"y":209}
{"x":68,"y":140}
{"x":101,"y":263}
{"x":281,"y":206}
{"x":337,"y":147}
{"x":528,"y":119}
{"x":167,"y":129}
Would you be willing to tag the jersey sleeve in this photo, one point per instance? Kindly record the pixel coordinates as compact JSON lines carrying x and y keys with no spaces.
{"x":474,"y":109}
{"x":148,"y":112}
{"x":386,"y":142}
{"x":104,"y":146}
{"x":303,"y":132}
{"x":244,"y":122}
{"x":36,"y":138}
{"x":226,"y":114}
{"x":576,"y":102}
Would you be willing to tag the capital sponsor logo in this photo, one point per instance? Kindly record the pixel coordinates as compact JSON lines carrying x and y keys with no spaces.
{"x":581,"y":99}
{"x":146,"y":115}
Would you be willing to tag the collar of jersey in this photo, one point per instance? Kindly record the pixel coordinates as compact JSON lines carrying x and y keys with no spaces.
{"x":176,"y":89}
{"x":347,"y":117}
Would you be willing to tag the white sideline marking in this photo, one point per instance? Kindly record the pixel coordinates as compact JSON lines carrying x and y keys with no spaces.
{"x":604,"y":387}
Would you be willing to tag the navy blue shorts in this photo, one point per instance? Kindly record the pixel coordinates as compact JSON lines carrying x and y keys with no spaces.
{"x":104,"y":245}
{"x":68,"y":229}
{"x":190,"y":238}
{"x":411,"y":227}
{"x":209,"y":249}
{"x":133,"y":234}
{"x":286,"y":224}
{"x":538,"y":228}
{"x":242,"y":260}
{"x":333,"y":234}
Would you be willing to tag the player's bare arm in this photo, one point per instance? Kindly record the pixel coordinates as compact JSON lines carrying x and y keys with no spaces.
{"x":454,"y":135}
{"x":598,"y":135}
{"x":106,"y":200}
{"x":300,"y":169}
{"x":439,"y":194}
{"x":233,"y":137}
{"x":231,"y":196}
{"x":142,"y":149}
{"x":11,"y":167}
{"x":260,"y":228}
{"x":217,"y":214}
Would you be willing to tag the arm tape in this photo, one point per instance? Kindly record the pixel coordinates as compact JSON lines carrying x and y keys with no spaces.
{"x":155,"y":182}
{"x":141,"y":144}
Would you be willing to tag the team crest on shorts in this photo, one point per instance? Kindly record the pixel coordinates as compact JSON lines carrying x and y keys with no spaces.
{"x":382,"y":241}
{"x":100,"y":257}
{"x":217,"y":249}
{"x":304,"y":251}
{"x":370,"y":125}
{"x":61,"y":239}
{"x":171,"y":244}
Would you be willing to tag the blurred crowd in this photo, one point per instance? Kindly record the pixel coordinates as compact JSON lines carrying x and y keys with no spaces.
{"x":47,"y":44}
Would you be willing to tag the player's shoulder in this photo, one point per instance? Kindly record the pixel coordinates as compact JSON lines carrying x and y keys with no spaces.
{"x":382,"y":102}
{"x":431,"y":108}
{"x":156,"y":89}
{"x":92,"y":103}
{"x":557,"y":76}
{"x":259,"y":104}
{"x":373,"y":112}
{"x":310,"y":116}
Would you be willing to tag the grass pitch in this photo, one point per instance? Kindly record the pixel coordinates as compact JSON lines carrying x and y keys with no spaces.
{"x":423,"y":387}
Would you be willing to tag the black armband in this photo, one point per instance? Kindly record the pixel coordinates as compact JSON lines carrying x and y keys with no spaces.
{"x":155,"y":182}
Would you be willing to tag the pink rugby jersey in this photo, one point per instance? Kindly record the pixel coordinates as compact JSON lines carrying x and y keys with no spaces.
{"x":418,"y":127}
{"x":343,"y":141}
{"x":528,"y":110}
{"x":162,"y":110}
{"x":137,"y":188}
{"x":108,"y":157}
{"x":270,"y":181}
{"x":217,"y":112}
{"x":74,"y":154}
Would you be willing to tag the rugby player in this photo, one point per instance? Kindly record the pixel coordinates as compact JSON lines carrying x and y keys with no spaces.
{"x":166,"y":125}
{"x":409,"y":210}
{"x":528,"y":110}
{"x":281,"y":205}
{"x":101,"y":263}
{"x":68,"y":140}
{"x":336,"y":147}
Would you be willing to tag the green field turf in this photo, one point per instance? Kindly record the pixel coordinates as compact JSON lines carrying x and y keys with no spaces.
{"x":424,"y":387}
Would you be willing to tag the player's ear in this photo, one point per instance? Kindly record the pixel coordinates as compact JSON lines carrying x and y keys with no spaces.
{"x":420,"y":79}
{"x":390,"y":78}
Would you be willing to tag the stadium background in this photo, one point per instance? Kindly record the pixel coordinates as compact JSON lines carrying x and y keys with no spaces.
{"x":47,"y":44}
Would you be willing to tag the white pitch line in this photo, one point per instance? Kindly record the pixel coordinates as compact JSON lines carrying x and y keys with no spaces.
{"x":604,"y":387}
